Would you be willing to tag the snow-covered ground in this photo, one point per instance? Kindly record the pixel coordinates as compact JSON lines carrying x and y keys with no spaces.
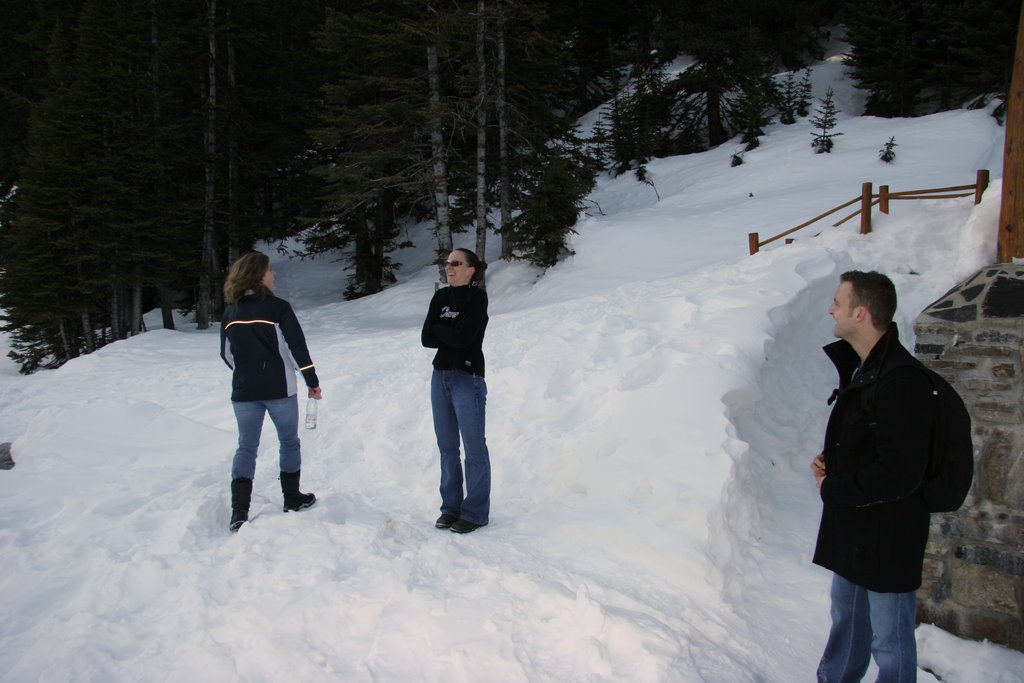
{"x":654,"y":404}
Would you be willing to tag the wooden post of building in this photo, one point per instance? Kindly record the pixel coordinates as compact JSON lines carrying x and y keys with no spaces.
{"x":1011,"y":210}
{"x":883,"y":198}
{"x":865,"y":208}
{"x":981,"y":185}
{"x":753,"y":241}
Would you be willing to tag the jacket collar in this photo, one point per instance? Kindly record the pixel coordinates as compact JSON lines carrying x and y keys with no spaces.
{"x":846,"y":360}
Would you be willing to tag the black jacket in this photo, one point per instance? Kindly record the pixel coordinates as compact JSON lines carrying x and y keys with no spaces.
{"x":455,"y":325}
{"x":874,"y":522}
{"x":261,"y":340}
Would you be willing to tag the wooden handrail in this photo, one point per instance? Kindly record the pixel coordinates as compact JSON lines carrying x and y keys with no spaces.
{"x":882,"y":199}
{"x":903,"y":196}
{"x":804,"y":225}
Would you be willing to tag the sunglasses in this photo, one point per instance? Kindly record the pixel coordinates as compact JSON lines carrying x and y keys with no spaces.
{"x":454,"y":264}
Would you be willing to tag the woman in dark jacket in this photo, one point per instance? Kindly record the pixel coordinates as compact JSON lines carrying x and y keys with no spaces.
{"x":262,"y":342}
{"x":455,"y":325}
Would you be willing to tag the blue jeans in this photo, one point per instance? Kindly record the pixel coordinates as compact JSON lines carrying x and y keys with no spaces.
{"x":865,"y":623}
{"x":458,"y":400}
{"x":284,"y":413}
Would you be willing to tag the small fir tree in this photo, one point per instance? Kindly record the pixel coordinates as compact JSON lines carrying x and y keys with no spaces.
{"x":599,"y":145}
{"x":888,"y":153}
{"x":803,"y":95}
{"x":737,"y":159}
{"x":787,"y":100}
{"x":749,"y":112}
{"x":825,"y":123}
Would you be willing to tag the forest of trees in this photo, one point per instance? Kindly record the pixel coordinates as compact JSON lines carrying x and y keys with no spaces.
{"x":144,"y":144}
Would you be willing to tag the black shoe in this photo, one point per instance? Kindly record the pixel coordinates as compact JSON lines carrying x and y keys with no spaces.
{"x":238,"y":518}
{"x":445,"y":521}
{"x":462,"y":526}
{"x":303,"y":501}
{"x":241,"y":494}
{"x":294,"y":500}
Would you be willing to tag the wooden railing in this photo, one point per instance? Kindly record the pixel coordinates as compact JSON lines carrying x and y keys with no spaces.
{"x":867,"y":200}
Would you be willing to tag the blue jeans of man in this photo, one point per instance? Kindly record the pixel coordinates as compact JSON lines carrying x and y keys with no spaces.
{"x":458,"y":401}
{"x":284,"y":413}
{"x":866,"y":624}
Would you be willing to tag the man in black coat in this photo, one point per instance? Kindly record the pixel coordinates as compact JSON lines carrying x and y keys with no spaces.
{"x":874,"y":520}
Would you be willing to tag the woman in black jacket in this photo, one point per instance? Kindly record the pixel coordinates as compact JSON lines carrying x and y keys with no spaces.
{"x":262,"y":342}
{"x":455,"y":325}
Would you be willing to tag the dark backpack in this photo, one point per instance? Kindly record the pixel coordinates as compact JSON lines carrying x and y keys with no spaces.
{"x":951,"y":453}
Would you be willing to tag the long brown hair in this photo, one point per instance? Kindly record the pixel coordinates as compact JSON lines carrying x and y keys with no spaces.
{"x":246,"y":274}
{"x":478,"y":265}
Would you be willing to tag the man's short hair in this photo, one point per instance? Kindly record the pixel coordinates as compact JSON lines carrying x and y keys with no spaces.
{"x":874,"y":292}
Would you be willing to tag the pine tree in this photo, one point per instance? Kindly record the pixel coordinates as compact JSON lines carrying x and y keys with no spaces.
{"x":18,"y":81}
{"x":370,"y":136}
{"x":552,"y":201}
{"x":804,"y":93}
{"x":749,"y":110}
{"x":548,"y":148}
{"x":825,"y":123}
{"x":886,"y":57}
{"x":922,"y":56}
{"x":787,"y":99}
{"x":38,"y":286}
{"x":888,"y":151}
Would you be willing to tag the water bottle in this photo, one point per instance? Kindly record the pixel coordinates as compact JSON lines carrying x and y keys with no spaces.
{"x":311,"y":413}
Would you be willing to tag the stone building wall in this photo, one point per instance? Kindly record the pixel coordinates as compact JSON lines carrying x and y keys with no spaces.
{"x":974,"y":564}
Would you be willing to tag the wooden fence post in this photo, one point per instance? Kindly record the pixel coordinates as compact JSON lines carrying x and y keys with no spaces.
{"x":883,"y":198}
{"x":982,"y":185}
{"x":865,"y":208}
{"x":753,"y":242}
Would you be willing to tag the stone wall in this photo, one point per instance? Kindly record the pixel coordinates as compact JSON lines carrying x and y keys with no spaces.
{"x":974,"y":564}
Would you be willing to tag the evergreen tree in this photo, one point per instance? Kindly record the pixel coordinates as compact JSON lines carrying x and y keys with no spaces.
{"x":598,"y":34}
{"x":370,"y":138}
{"x":922,"y":56}
{"x":38,"y":284}
{"x":804,"y":92}
{"x":749,"y":110}
{"x":552,"y":201}
{"x":640,"y":114}
{"x":888,"y":151}
{"x":787,"y":100}
{"x":969,"y":53}
{"x":545,"y":145}
{"x":825,"y":123}
{"x":17,"y":89}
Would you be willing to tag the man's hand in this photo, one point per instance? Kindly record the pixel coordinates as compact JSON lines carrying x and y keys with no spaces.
{"x":818,"y":469}
{"x":316,"y":393}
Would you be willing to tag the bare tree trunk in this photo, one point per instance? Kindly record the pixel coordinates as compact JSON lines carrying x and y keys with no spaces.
{"x":166,"y":307}
{"x":234,"y":246}
{"x":481,"y":135}
{"x":116,"y":331}
{"x":136,"y":325}
{"x":90,"y":342}
{"x":716,"y":130}
{"x":154,"y":39}
{"x":440,"y":168}
{"x":204,"y":302}
{"x":505,"y":182}
{"x":65,"y":344}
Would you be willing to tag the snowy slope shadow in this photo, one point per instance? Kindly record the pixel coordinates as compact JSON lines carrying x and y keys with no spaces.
{"x":766,"y":526}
